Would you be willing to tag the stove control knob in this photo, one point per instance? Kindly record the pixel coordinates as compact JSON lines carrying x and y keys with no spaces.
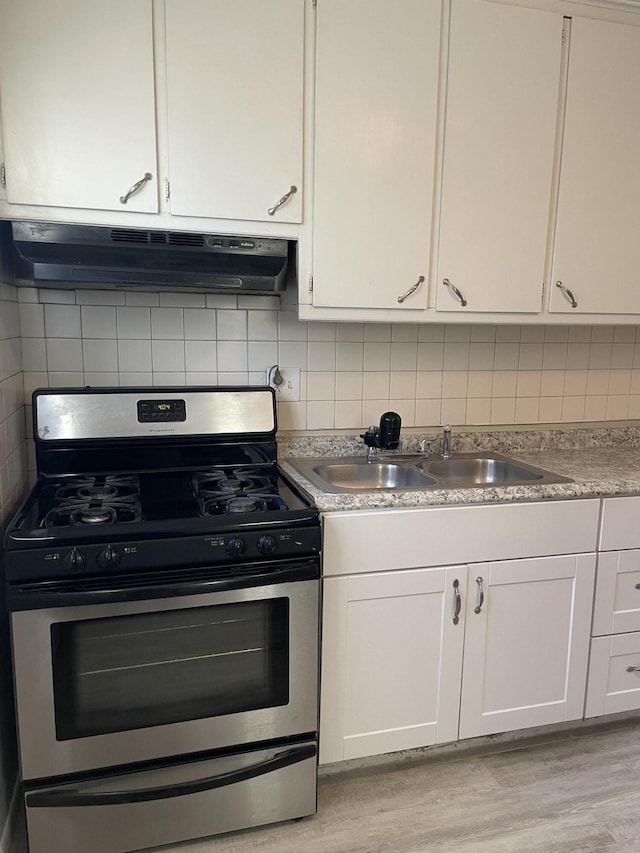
{"x":266,"y":544}
{"x":108,"y":558}
{"x":235,"y":546}
{"x":76,"y":560}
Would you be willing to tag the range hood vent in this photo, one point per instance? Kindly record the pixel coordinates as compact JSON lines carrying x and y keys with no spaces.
{"x":58,"y":255}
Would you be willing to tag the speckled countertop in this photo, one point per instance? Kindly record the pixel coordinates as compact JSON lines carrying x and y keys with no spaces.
{"x":603,"y":461}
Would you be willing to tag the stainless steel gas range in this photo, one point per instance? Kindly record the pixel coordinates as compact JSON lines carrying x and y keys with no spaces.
{"x":163,"y":586}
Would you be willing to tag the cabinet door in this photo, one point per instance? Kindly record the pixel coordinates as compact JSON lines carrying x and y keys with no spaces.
{"x":234,"y":88}
{"x":77,"y":88}
{"x":597,"y":251}
{"x":526,"y":650}
{"x":391,"y":661}
{"x":502,"y":100}
{"x":375,"y":128}
{"x":617,"y":601}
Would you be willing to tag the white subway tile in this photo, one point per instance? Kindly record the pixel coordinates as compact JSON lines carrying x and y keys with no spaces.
{"x":528,"y":384}
{"x":619,"y":382}
{"x":171,"y":378}
{"x":377,"y":332}
{"x":348,"y":414}
{"x":201,"y":356}
{"x":478,"y":411}
{"x":454,"y":411}
{"x":600,"y":356}
{"x":221,"y":300}
{"x":232,"y":357}
{"x":141,"y":298}
{"x":31,"y":320}
{"x":503,"y":410}
{"x":595,"y":408}
{"x":293,"y":354}
{"x":62,"y":321}
{"x":231,"y":325}
{"x":371,"y":412}
{"x":431,"y":333}
{"x":167,"y":356}
{"x":349,"y":356}
{"x":550,"y":411}
{"x":406,"y":409}
{"x":98,"y":321}
{"x":321,"y":386}
{"x":133,"y":323}
{"x":454,"y":384}
{"x":505,"y":383}
{"x":554,"y":356}
{"x":622,"y":355}
{"x":578,"y":356}
{"x":617,"y":407}
{"x":134,"y":356}
{"x":352,"y":332}
{"x":602,"y":334}
{"x":429,"y":385}
{"x":348,"y":386}
{"x":457,"y":333}
{"x":101,"y":380}
{"x":322,"y":331}
{"x":404,"y":333}
{"x":552,"y":383}
{"x":292,"y":415}
{"x":376,"y":385}
{"x":100,"y":356}
{"x":573,"y":409}
{"x":403,"y":385}
{"x":202,"y":378}
{"x":182,"y":300}
{"x":431,"y":356}
{"x":167,"y":324}
{"x":507,"y":356}
{"x":575,"y":383}
{"x":480,"y":383}
{"x":262,"y":326}
{"x":134,"y":379}
{"x":428,"y":412}
{"x":483,"y":334}
{"x":404,"y":356}
{"x":527,"y":409}
{"x":320,"y":414}
{"x":481,"y":356}
{"x":262,"y":354}
{"x":57,"y":297}
{"x":100,"y":297}
{"x":321,"y":356}
{"x":530,"y":357}
{"x":64,"y":355}
{"x":291,"y":329}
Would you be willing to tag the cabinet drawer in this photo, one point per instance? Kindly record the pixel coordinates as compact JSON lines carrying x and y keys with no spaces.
{"x":611,"y":687}
{"x":379,"y":540}
{"x":617,"y":604}
{"x":620,"y":529}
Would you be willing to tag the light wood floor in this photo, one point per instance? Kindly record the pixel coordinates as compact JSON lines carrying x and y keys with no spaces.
{"x":555,"y":794}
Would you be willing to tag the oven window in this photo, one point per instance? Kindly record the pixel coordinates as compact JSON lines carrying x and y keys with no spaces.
{"x":128,"y":672}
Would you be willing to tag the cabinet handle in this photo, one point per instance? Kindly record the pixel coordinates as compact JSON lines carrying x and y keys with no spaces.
{"x":633,"y":669}
{"x":134,"y":189}
{"x":451,"y":286}
{"x":638,"y":586}
{"x":457,"y":601}
{"x":412,"y":289}
{"x":478,"y":606}
{"x":284,"y":198}
{"x":567,"y":293}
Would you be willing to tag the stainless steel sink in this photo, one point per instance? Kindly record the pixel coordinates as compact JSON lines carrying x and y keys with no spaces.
{"x":480,"y":471}
{"x":372,"y":475}
{"x":412,"y":472}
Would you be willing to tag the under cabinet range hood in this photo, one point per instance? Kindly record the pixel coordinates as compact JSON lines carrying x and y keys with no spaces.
{"x":58,"y":255}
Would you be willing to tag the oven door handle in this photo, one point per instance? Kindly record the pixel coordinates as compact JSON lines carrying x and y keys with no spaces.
{"x":39,"y":596}
{"x":72,"y":797}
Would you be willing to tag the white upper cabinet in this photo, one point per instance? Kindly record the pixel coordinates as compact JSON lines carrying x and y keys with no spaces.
{"x":502,"y":96}
{"x":235,"y":90}
{"x":77,"y":90}
{"x":597,"y":250}
{"x":376,"y":93}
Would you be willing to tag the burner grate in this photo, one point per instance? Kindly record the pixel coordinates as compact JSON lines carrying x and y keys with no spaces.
{"x":111,"y":499}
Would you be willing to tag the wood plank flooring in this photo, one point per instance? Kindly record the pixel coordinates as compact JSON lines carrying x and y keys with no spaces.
{"x":565,"y":792}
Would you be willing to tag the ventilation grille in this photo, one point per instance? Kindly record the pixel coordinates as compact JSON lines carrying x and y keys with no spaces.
{"x":172,"y":238}
{"x":179,"y":238}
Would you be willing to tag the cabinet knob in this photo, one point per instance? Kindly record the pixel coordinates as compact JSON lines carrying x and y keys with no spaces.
{"x":568,"y":294}
{"x":452,"y":287}
{"x":134,"y":189}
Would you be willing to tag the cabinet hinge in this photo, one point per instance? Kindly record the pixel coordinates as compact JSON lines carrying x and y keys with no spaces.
{"x":3,"y":176}
{"x":310,"y":284}
{"x":167,"y":189}
{"x":314,"y":3}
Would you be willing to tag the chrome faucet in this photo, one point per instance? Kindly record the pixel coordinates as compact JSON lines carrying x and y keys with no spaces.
{"x":446,"y":441}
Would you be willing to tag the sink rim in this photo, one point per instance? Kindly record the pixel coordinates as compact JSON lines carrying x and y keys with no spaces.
{"x":418,"y":462}
{"x":421,"y":478}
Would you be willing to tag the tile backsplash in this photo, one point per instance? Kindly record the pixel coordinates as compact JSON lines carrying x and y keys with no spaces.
{"x":350,"y":372}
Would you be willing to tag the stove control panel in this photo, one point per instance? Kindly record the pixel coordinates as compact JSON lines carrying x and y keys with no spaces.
{"x":161,"y":410}
{"x":220,"y":549}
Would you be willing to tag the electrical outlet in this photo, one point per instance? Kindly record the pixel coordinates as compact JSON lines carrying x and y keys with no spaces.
{"x":289,"y":389}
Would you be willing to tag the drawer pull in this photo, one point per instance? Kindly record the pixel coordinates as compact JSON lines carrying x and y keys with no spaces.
{"x":633,"y":669}
{"x":478,"y":606}
{"x":457,"y":601}
{"x":272,"y":210}
{"x":137,"y":186}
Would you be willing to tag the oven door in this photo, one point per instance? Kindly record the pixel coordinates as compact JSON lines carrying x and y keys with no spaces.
{"x":123,"y":681}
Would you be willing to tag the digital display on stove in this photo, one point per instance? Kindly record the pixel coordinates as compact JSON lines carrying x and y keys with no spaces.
{"x":161,"y":410}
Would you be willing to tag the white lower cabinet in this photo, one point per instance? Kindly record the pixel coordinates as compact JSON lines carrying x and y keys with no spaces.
{"x":392,"y":661}
{"x":414,"y":656}
{"x":527,"y":645}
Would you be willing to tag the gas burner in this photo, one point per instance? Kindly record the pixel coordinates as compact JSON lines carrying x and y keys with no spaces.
{"x":236,"y":481}
{"x":76,"y":512}
{"x":225,"y":504}
{"x":100,"y":488}
{"x":93,"y":515}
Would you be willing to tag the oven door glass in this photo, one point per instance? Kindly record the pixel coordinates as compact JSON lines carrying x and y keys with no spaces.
{"x":149,"y":669}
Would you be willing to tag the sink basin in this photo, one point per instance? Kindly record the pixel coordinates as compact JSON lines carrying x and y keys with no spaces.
{"x":339,"y":474}
{"x":480,"y":471}
{"x":372,"y":475}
